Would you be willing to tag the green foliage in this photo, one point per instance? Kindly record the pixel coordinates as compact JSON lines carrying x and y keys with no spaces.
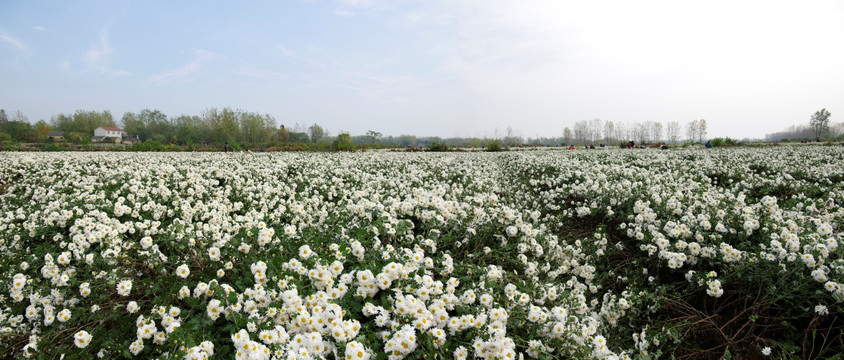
{"x":438,"y":147}
{"x":717,"y":142}
{"x":494,"y":146}
{"x":19,"y":131}
{"x":83,"y":122}
{"x":149,"y":145}
{"x":56,"y":147}
{"x":299,"y":137}
{"x":820,"y":123}
{"x":343,"y":142}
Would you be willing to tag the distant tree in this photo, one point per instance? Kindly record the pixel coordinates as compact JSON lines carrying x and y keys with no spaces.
{"x":3,"y":117}
{"x":284,"y":135}
{"x":673,"y":131}
{"x":567,"y":135}
{"x":641,"y":132}
{"x":656,"y":131}
{"x":19,"y":130}
{"x":701,"y":129}
{"x":299,"y":137}
{"x":316,"y":132}
{"x":595,"y":126}
{"x":42,"y":130}
{"x":692,"y":130}
{"x":609,"y":131}
{"x":343,"y":142}
{"x":376,"y":136}
{"x":82,"y":121}
{"x":820,"y":123}
{"x":19,"y":117}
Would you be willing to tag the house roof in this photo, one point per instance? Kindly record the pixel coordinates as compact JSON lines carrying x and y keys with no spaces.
{"x":110,"y":128}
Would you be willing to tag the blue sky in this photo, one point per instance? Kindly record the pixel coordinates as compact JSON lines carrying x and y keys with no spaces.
{"x":446,"y":68}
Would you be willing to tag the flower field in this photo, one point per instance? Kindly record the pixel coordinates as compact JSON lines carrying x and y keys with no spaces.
{"x":542,"y":254}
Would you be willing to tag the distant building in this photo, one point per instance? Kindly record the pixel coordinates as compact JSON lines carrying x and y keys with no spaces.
{"x":107,"y":133}
{"x":57,"y":135}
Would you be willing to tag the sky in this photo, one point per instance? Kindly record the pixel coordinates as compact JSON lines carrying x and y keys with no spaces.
{"x":431,"y":68}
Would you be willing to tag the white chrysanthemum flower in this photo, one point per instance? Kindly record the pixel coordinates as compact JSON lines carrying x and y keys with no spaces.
{"x":124,"y":287}
{"x":183,"y":271}
{"x":81,"y":339}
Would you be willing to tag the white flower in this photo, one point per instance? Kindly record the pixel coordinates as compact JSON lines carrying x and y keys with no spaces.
{"x":132,"y":307}
{"x":766,"y":351}
{"x":182,"y":271}
{"x":305,"y":252}
{"x":146,"y":242}
{"x":124,"y":287}
{"x":81,"y":339}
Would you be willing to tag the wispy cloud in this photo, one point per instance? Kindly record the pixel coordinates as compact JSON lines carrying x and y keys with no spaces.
{"x":97,"y":58}
{"x":185,"y":72}
{"x":14,"y":42}
{"x":258,"y":73}
{"x":39,"y":28}
{"x":344,"y":13}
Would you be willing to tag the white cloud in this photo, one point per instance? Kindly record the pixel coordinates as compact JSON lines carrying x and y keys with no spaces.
{"x":97,"y":58}
{"x":14,"y":42}
{"x":39,"y":28}
{"x":185,"y":72}
{"x":344,"y":13}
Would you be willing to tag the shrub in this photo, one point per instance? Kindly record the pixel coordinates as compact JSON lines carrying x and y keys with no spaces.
{"x":438,"y":146}
{"x":494,"y":146}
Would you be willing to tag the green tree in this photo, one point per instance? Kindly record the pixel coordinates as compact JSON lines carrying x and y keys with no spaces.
{"x":343,"y":142}
{"x":82,"y":121}
{"x":3,"y":117}
{"x":42,"y":130}
{"x":284,"y":135}
{"x":188,"y":129}
{"x":19,"y":131}
{"x":374,"y":135}
{"x":299,"y":137}
{"x":316,"y":132}
{"x":820,"y":123}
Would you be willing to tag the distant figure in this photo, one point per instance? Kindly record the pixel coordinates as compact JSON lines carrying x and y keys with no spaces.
{"x":571,"y":147}
{"x":591,"y":146}
{"x":226,"y":147}
{"x":602,"y":145}
{"x":629,"y":144}
{"x":664,"y":147}
{"x":261,"y":150}
{"x":708,"y":144}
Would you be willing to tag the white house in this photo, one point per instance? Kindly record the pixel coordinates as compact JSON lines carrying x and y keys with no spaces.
{"x":107,"y":132}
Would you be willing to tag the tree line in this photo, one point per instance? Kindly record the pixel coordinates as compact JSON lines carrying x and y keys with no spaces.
{"x":240,"y":128}
{"x":819,"y":127}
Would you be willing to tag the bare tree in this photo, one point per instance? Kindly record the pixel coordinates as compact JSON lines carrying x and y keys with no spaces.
{"x":673,"y":131}
{"x":701,"y":129}
{"x":656,"y":131}
{"x":581,"y":131}
{"x":609,"y":131}
{"x":692,"y":130}
{"x":595,"y":126}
